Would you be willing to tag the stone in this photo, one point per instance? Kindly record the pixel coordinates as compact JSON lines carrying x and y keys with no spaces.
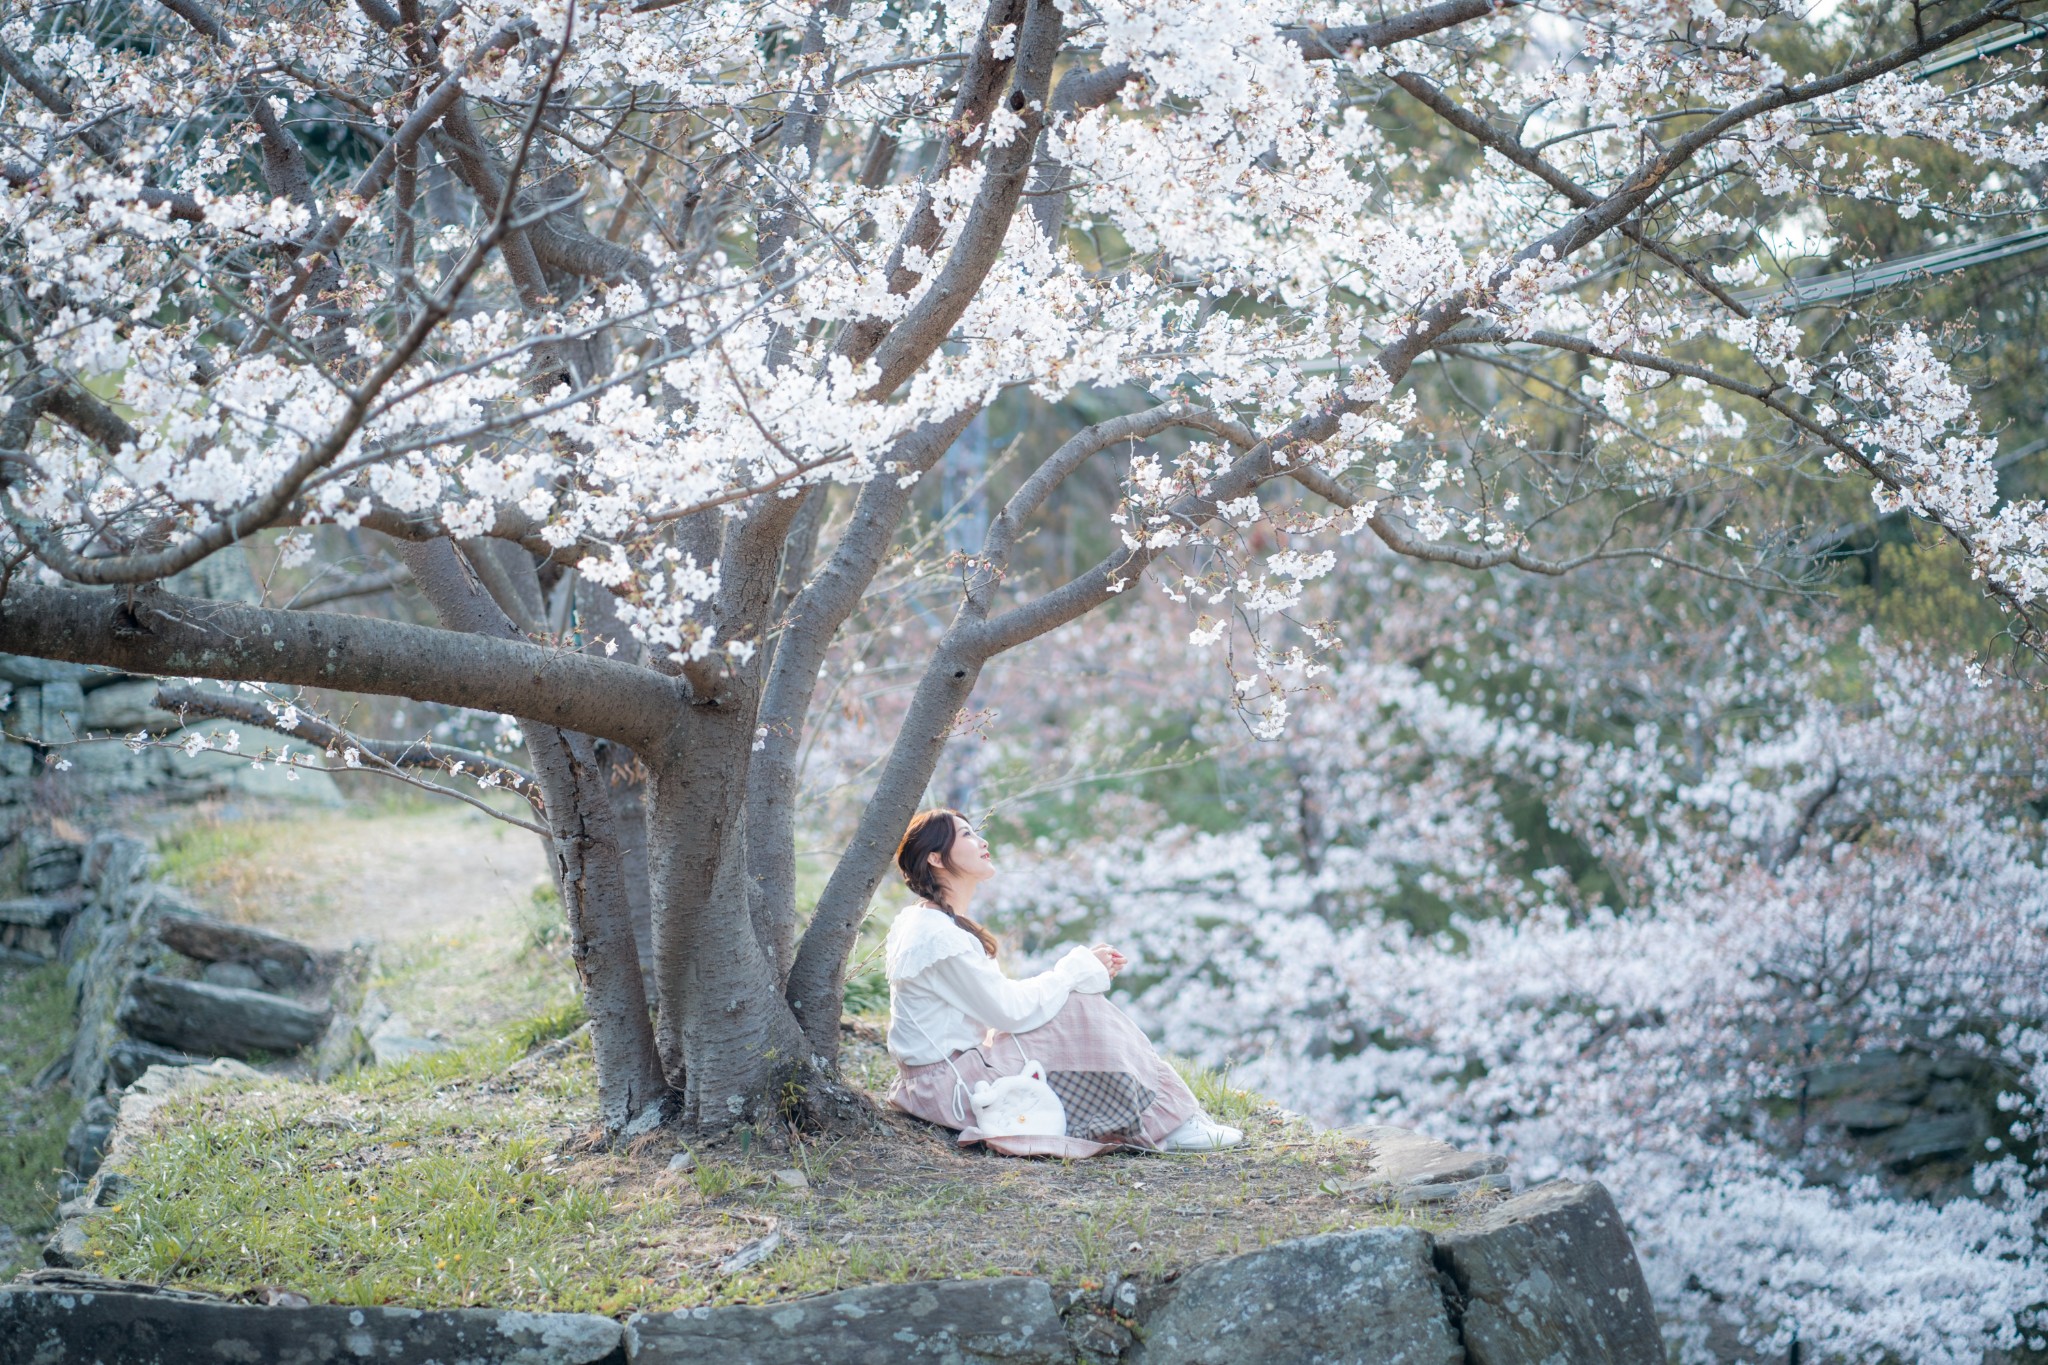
{"x":192,"y":1016}
{"x":1868,"y":1116}
{"x":23,"y":671}
{"x":1098,"y":1340}
{"x":345,"y":1045}
{"x":682,"y":1163}
{"x":162,"y":1083}
{"x":64,"y":1250}
{"x":751,"y":1255}
{"x":35,"y":928}
{"x":1405,"y":1157}
{"x":87,"y":1141}
{"x":792,"y":1179}
{"x":151,"y":1329}
{"x":1933,"y":1138}
{"x":205,"y":939}
{"x":240,"y":975}
{"x":113,"y":864}
{"x":126,"y":707}
{"x":25,"y":714}
{"x":49,"y":863}
{"x":1414,"y":1196}
{"x":130,"y":1057}
{"x":1551,"y":1276}
{"x":103,"y":947}
{"x":1007,"y":1321}
{"x":1345,"y":1298}
{"x":646,"y":1121}
{"x":394,"y":1041}
{"x":62,"y":717}
{"x":107,"y":1189}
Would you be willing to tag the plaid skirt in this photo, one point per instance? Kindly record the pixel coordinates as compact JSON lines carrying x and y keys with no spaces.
{"x":1117,"y":1089}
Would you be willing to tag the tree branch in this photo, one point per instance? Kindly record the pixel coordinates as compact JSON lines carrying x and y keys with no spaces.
{"x":325,"y":734}
{"x":158,"y":633}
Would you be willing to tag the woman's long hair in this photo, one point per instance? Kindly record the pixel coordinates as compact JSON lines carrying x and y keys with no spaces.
{"x":933,"y":831}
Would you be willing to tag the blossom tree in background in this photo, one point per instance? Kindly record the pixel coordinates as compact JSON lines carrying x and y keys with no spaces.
{"x":1805,"y":857}
{"x":633,"y":329}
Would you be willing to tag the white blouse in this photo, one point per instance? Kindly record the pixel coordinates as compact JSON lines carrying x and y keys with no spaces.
{"x":946,"y":993}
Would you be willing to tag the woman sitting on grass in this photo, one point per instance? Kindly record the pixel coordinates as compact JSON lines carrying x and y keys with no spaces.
{"x":955,"y":1020}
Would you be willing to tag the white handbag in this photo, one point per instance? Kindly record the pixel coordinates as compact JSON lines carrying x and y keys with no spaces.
{"x":1023,"y":1105}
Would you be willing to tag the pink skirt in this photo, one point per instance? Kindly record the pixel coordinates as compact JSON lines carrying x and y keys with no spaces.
{"x":1117,"y":1089}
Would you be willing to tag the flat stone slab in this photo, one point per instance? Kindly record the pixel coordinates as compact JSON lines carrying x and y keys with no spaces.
{"x":39,"y":912}
{"x":205,"y":939}
{"x":1402,"y":1156}
{"x":217,"y":1021}
{"x":1551,"y":1276}
{"x":1345,"y":1298}
{"x":56,"y":1326}
{"x":940,"y":1322}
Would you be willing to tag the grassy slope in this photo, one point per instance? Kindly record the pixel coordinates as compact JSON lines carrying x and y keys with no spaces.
{"x":468,"y":1178}
{"x":455,"y":1181}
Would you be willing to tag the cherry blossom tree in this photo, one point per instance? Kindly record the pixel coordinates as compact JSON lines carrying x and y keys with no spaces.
{"x":1792,"y":884}
{"x":635,"y":328}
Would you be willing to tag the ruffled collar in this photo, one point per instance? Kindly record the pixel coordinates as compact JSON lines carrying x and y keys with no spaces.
{"x":921,"y":936}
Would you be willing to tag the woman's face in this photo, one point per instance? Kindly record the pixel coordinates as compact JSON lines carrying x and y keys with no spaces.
{"x":969,"y":859}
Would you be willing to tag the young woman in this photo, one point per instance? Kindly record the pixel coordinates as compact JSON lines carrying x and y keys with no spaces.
{"x":956,"y":1020}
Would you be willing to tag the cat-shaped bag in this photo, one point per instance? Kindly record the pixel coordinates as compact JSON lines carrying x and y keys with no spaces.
{"x":1022,"y":1105}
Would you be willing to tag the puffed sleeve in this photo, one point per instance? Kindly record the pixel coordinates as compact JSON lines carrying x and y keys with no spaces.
{"x":974,"y":985}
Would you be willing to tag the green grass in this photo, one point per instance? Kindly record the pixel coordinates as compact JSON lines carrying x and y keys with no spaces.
{"x":1222,"y":1101}
{"x":446,"y":1181}
{"x":393,"y":1186}
{"x":35,"y":1026}
{"x":192,"y":852}
{"x":558,"y":1022}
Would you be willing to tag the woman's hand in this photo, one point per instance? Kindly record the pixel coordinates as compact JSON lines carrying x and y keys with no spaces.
{"x":1111,"y":960}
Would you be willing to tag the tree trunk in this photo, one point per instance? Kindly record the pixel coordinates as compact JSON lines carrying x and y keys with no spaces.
{"x":590,"y":872}
{"x":626,"y":781}
{"x":729,"y":1041}
{"x":817,"y":982}
{"x":810,"y":621}
{"x":586,"y":856}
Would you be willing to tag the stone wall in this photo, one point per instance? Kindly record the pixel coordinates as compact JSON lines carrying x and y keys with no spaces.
{"x":53,"y":712}
{"x":1545,"y":1278}
{"x":158,"y":984}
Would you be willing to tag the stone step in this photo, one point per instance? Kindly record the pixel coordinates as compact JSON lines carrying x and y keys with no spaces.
{"x":276,"y":960}
{"x":217,"y":1021}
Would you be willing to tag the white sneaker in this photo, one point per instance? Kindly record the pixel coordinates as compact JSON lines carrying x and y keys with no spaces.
{"x":1203,"y":1134}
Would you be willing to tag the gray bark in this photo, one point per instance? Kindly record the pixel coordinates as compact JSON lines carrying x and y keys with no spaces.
{"x":809,"y":626}
{"x":148,"y":631}
{"x":725,"y":1033}
{"x":586,"y":857}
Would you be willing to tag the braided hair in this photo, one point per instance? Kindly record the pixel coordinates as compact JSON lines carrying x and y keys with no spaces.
{"x":933,"y":831}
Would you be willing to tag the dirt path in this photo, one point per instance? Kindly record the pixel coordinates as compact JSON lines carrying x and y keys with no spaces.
{"x":388,"y":873}
{"x":447,"y":893}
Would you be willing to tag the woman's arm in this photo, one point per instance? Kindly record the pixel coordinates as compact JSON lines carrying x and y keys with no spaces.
{"x":976,"y":987}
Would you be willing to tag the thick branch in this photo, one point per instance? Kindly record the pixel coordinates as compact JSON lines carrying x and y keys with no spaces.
{"x":810,"y":625}
{"x":159,"y":633}
{"x":930,"y":320}
{"x":981,"y":84}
